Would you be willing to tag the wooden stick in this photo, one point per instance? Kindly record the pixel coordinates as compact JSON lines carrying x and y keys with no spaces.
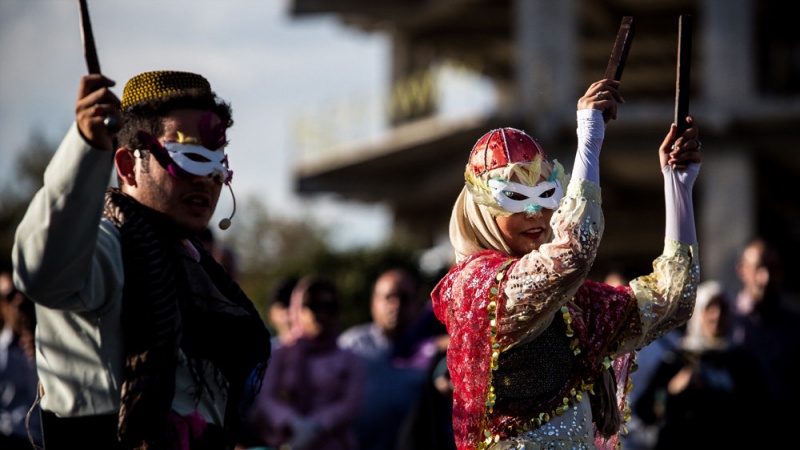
{"x":622,"y":45}
{"x":682,"y":80}
{"x":619,"y":54}
{"x":92,"y":62}
{"x":89,"y":49}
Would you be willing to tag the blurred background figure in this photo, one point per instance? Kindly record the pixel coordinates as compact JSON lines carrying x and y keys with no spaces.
{"x":393,"y":384}
{"x":394,"y":306}
{"x":278,"y":312}
{"x":429,"y":423}
{"x":19,"y":418}
{"x":312,"y":389}
{"x":767,"y":324}
{"x":642,"y":435}
{"x":617,"y":276}
{"x":279,"y":319}
{"x":700,"y":391}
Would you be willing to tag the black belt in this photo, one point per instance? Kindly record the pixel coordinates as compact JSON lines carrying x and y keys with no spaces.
{"x":97,"y":432}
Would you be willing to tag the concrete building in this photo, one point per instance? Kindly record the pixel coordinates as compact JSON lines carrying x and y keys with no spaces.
{"x":540,"y":56}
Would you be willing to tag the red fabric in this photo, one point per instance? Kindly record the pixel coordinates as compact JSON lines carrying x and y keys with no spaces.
{"x":460,"y":301}
{"x":501,"y":147}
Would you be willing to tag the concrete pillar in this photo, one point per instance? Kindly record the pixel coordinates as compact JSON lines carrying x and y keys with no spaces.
{"x":725,"y":200}
{"x":726,"y":37}
{"x":728,"y":209}
{"x":546,"y":33}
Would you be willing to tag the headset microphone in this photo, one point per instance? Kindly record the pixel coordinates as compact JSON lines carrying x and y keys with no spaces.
{"x":224,"y":224}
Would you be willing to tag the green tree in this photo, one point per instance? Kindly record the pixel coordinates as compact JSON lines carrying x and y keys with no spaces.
{"x":270,"y":248}
{"x":17,"y":191}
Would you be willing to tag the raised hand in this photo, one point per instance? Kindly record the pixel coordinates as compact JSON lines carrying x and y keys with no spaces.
{"x":97,"y":111}
{"x":678,"y":151}
{"x":603,"y":95}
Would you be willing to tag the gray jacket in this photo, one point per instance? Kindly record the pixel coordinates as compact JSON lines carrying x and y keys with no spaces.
{"x":68,"y":260}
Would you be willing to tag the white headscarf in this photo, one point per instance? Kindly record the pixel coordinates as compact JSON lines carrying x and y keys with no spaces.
{"x":473,"y":227}
{"x":694,"y":338}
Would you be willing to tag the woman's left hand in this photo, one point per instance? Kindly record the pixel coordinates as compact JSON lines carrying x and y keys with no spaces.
{"x":679,"y":151}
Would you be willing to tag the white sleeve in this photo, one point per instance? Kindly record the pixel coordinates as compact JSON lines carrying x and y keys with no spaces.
{"x":591,"y":131}
{"x":678,"y":186}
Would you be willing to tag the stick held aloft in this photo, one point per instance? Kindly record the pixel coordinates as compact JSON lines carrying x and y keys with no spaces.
{"x":622,"y":45}
{"x":682,"y":77}
{"x":89,"y":49}
{"x":682,"y":81}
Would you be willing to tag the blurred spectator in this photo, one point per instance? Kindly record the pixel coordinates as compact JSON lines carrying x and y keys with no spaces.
{"x":429,"y":425}
{"x":767,"y":325}
{"x":420,"y":341}
{"x":19,"y":414}
{"x":394,"y":306}
{"x":279,"y":319}
{"x":278,"y":311}
{"x":393,"y":384}
{"x":706,"y":386}
{"x":641,"y":435}
{"x":429,"y":422}
{"x":618,"y":276}
{"x":312,"y":389}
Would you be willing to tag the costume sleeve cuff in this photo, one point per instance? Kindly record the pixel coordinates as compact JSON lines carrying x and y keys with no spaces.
{"x":581,"y":188}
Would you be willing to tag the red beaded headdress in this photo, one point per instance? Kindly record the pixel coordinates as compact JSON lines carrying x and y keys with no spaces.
{"x":506,"y":153}
{"x":501,"y":147}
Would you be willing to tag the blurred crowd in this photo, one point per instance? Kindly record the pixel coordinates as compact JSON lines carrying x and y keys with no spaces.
{"x":384,"y":384}
{"x":734,"y":359}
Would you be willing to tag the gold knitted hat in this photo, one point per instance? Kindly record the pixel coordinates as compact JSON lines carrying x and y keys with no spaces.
{"x":160,"y":83}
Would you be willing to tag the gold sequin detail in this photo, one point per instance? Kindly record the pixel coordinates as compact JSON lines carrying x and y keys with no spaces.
{"x":575,"y":395}
{"x":491,"y":396}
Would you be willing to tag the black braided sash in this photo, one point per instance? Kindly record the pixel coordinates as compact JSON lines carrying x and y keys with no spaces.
{"x":159,"y":317}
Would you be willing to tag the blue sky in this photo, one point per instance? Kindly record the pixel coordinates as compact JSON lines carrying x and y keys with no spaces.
{"x":270,"y":67}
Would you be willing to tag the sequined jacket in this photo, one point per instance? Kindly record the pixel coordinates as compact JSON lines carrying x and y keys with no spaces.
{"x":493,"y":303}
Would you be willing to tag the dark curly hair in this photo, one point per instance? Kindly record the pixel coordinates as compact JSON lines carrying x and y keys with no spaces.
{"x":149,"y":115}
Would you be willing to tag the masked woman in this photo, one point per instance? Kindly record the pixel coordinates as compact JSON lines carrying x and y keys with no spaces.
{"x":539,"y":355}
